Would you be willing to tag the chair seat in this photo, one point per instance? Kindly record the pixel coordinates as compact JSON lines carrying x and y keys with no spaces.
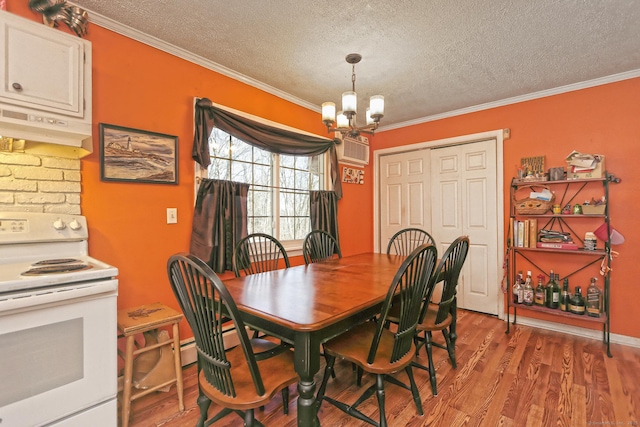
{"x":355,"y":344}
{"x":429,"y":322}
{"x":277,"y":373}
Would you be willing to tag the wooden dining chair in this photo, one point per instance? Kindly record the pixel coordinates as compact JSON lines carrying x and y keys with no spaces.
{"x":318,"y":246}
{"x":442,"y":315}
{"x":376,"y":349}
{"x":406,"y":240}
{"x":242,"y":378}
{"x":257,"y":253}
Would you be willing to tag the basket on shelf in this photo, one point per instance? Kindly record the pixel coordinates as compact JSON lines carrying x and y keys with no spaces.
{"x":530,"y":206}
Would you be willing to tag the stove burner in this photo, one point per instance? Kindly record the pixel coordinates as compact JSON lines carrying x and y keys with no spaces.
{"x":56,"y":261}
{"x":56,"y":269}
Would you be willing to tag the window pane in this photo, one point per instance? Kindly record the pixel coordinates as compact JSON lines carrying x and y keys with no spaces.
{"x":303,"y":227}
{"x":218,"y":169}
{"x":262,"y":203}
{"x":241,"y":172}
{"x":302,"y":180}
{"x":286,"y":178}
{"x":302,"y":204}
{"x":262,"y":225}
{"x":240,"y":150}
{"x":287,"y":228}
{"x":262,"y":157}
{"x":287,"y":206}
{"x":287,"y":161}
{"x":302,"y":162}
{"x":315,"y":182}
{"x":262,"y":175}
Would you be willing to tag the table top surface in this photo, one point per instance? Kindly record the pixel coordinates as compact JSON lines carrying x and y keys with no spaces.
{"x":311,"y":297}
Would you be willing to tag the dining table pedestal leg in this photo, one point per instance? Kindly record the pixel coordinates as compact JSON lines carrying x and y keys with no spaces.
{"x":307,"y":364}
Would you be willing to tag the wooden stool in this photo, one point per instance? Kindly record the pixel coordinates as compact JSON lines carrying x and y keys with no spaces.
{"x":142,"y":319}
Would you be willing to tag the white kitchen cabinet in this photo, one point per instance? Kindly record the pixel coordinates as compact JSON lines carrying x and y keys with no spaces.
{"x":42,"y":67}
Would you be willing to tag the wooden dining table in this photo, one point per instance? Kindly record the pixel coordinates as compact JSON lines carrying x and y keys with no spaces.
{"x":309,"y":304}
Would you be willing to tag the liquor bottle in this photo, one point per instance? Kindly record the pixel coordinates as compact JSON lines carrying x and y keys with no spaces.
{"x":594,"y":299}
{"x":576,"y":303}
{"x":564,"y":296}
{"x":548,"y":291}
{"x":527,"y":298}
{"x":539,"y":292}
{"x":517,"y":289}
{"x":555,"y":293}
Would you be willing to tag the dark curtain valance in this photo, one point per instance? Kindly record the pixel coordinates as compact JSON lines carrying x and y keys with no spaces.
{"x":264,"y":136}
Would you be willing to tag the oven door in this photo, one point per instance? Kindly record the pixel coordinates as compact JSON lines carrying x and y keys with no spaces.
{"x":58,"y":356}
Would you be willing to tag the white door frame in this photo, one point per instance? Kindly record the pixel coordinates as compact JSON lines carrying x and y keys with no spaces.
{"x":464,"y":139}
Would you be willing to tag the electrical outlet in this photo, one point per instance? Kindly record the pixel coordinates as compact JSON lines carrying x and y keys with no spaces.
{"x":172,"y":215}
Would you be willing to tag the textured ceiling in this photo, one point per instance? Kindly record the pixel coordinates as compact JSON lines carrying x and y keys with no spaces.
{"x":427,"y":57}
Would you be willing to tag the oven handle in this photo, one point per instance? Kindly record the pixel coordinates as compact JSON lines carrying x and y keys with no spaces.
{"x":58,"y":294}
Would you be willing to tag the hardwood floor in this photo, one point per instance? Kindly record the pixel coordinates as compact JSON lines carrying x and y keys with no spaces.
{"x":530,"y":377}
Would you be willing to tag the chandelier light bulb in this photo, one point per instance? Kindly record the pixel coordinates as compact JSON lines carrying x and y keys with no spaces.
{"x":376,"y":104}
{"x":349,"y":102}
{"x":329,"y":112}
{"x":342,"y":120}
{"x":369,"y":118}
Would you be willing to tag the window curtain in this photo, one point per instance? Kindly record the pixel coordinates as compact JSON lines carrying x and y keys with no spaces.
{"x":219,"y":222}
{"x":324,"y":212}
{"x":270,"y":138}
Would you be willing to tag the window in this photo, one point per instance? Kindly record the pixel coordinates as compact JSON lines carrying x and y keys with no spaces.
{"x":278,"y":201}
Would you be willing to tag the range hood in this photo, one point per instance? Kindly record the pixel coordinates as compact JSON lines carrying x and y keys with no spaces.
{"x":45,"y":89}
{"x":43,"y":135}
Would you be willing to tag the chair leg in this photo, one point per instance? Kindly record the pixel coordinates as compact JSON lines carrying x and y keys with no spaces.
{"x":326,"y":358}
{"x":285,"y":400}
{"x":325,"y":378}
{"x":203,"y":403}
{"x":359,"y":372}
{"x":380,"y":396}
{"x":450,"y":348}
{"x":249,"y":418}
{"x":432,"y":371}
{"x":454,"y":317}
{"x":414,"y":390}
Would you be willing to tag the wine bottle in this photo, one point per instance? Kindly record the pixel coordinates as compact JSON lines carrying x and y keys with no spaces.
{"x":594,"y":299}
{"x":548,"y":294}
{"x":576,"y":303}
{"x":564,"y":297}
{"x":517,"y":289}
{"x":528,"y":290}
{"x":555,"y":293}
{"x":539,"y":292}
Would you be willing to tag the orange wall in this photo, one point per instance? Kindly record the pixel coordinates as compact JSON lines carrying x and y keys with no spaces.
{"x":137,"y":86}
{"x":603,"y":119}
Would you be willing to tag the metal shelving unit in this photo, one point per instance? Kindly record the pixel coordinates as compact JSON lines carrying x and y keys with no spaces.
{"x":570,"y":190}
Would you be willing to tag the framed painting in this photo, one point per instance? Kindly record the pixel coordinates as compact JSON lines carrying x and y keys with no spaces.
{"x":134,"y":155}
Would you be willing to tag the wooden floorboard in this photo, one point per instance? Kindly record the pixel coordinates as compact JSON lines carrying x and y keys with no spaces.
{"x":530,"y":377}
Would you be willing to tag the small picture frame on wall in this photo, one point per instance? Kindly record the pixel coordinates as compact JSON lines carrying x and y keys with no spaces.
{"x":133,"y":155}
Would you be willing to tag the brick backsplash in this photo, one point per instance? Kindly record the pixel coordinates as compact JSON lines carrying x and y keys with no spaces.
{"x":33,"y":183}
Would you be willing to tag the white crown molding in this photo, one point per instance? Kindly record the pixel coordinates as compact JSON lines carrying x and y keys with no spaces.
{"x":516,"y":99}
{"x":110,"y":24}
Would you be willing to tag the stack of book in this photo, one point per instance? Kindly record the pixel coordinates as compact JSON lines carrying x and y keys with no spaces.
{"x":551,"y":239}
{"x":523,"y":234}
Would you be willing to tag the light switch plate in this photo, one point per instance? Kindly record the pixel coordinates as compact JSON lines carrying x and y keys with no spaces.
{"x":172,"y":215}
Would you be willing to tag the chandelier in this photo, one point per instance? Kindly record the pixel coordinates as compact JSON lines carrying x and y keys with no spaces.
{"x":346,"y":119}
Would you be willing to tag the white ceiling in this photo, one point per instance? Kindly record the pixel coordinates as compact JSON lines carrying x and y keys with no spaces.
{"x":427,"y":57}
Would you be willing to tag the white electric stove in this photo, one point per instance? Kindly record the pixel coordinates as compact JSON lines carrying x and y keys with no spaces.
{"x":58,"y":327}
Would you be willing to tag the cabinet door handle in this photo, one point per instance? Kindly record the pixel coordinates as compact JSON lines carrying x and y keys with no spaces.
{"x":17,"y":86}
